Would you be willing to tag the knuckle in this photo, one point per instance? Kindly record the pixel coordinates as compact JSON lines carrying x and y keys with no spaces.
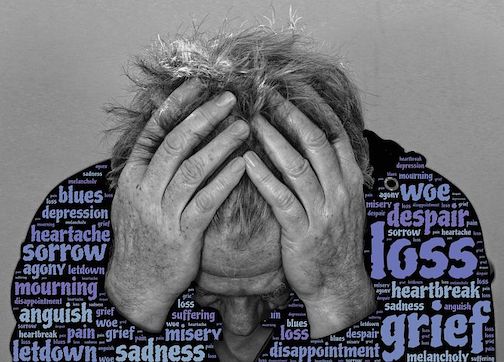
{"x":204,"y":201}
{"x":171,"y":108}
{"x":142,"y":150}
{"x":219,"y":185}
{"x":285,"y":200}
{"x":192,"y":170}
{"x":174,"y":103}
{"x":198,"y":136}
{"x":316,"y":139}
{"x":266,"y":178}
{"x":174,"y":144}
{"x":298,"y":167}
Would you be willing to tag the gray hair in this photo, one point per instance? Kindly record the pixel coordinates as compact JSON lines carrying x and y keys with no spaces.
{"x":253,"y":64}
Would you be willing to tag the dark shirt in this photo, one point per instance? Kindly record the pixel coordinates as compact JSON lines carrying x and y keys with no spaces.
{"x":64,"y":278}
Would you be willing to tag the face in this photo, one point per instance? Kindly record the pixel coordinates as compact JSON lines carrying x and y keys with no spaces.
{"x":242,"y":283}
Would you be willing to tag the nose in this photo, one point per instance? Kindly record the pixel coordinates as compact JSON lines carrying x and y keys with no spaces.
{"x":242,"y":315}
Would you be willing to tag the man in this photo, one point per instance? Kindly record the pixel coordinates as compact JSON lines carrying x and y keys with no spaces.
{"x":241,"y":166}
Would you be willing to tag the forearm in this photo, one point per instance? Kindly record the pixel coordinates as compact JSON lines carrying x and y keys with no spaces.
{"x":340,"y":308}
{"x":146,"y":308}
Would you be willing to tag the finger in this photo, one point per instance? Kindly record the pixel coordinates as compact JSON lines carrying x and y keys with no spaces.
{"x":156,"y":128}
{"x":197,"y":168}
{"x":333,"y":123}
{"x":346,"y":157}
{"x":180,"y":142}
{"x":287,"y":209}
{"x":313,"y":140}
{"x":296,"y":169}
{"x":200,"y":211}
{"x":338,"y":137}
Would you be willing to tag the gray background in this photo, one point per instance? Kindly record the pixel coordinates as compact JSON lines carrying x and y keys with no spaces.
{"x":431,"y":75}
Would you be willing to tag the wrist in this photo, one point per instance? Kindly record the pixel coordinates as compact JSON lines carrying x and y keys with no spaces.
{"x":337,"y":308}
{"x":146,"y":308}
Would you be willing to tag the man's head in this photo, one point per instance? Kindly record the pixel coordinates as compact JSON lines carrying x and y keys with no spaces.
{"x":241,"y":272}
{"x":243,"y":285}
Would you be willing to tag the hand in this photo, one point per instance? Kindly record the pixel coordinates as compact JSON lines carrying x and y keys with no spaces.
{"x":322,"y":218}
{"x":157,"y":220}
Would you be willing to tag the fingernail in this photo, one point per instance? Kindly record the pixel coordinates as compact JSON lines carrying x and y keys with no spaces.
{"x":251,"y":158}
{"x":194,"y":82}
{"x":239,"y":127}
{"x":225,"y":99}
{"x":236,"y":164}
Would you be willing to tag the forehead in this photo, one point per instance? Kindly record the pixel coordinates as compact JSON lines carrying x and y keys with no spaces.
{"x":225,"y":254}
{"x":256,"y":285}
{"x":253,"y":268}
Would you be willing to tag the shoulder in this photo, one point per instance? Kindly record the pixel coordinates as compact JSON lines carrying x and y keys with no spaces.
{"x":383,"y":154}
{"x":403,"y":178}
